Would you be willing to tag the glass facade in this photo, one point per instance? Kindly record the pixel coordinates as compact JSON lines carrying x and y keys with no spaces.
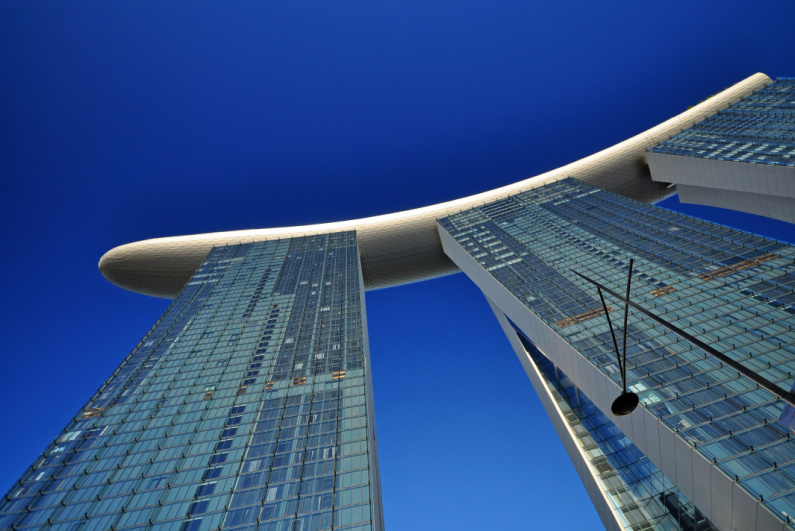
{"x":730,"y":289}
{"x":247,"y":406}
{"x":760,"y":129}
{"x":642,"y":496}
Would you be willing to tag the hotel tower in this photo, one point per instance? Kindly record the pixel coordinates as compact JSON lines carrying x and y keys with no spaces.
{"x":249,"y":403}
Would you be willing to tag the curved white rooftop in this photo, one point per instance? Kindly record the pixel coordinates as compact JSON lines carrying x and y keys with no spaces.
{"x":404,"y":247}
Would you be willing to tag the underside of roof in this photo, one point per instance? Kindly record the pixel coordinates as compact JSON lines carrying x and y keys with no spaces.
{"x":404,"y":247}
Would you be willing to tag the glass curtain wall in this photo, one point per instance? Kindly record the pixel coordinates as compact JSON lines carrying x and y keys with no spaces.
{"x":760,"y":129}
{"x":247,"y":406}
{"x":642,"y":496}
{"x":730,"y":289}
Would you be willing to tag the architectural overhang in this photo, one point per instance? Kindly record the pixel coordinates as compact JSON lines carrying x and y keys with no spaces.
{"x":405,"y":247}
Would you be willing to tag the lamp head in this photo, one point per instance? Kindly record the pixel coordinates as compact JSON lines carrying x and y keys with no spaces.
{"x":624,"y":404}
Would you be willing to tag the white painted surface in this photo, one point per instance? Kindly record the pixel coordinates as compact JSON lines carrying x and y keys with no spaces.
{"x":728,"y":508}
{"x":763,"y":189}
{"x":404,"y":247}
{"x":587,"y":474}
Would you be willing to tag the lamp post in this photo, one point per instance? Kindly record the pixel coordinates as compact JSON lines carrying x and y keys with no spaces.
{"x":628,"y":401}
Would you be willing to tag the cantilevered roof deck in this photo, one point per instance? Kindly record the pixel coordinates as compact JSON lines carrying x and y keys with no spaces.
{"x":404,"y":247}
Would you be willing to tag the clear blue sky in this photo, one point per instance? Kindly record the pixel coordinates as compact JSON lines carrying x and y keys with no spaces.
{"x":121,"y":121}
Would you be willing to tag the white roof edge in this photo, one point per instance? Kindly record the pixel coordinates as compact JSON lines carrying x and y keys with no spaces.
{"x":404,"y":247}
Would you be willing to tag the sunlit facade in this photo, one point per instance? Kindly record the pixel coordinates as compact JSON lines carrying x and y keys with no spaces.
{"x":757,"y":129}
{"x":742,"y":158}
{"x":249,"y":404}
{"x":730,"y":289}
{"x":638,"y":494}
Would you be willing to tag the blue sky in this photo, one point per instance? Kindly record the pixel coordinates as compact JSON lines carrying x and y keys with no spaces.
{"x":127,"y":120}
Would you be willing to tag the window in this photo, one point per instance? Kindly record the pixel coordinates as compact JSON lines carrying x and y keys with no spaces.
{"x":194,"y":524}
{"x":71,"y":436}
{"x":92,"y":412}
{"x":219,"y":458}
{"x":205,"y":489}
{"x":156,"y":482}
{"x":212,"y":473}
{"x":198,"y":507}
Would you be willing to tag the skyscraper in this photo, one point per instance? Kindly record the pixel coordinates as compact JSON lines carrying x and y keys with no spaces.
{"x":249,"y":406}
{"x":710,"y":431}
{"x":742,"y":158}
{"x":248,"y":402}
